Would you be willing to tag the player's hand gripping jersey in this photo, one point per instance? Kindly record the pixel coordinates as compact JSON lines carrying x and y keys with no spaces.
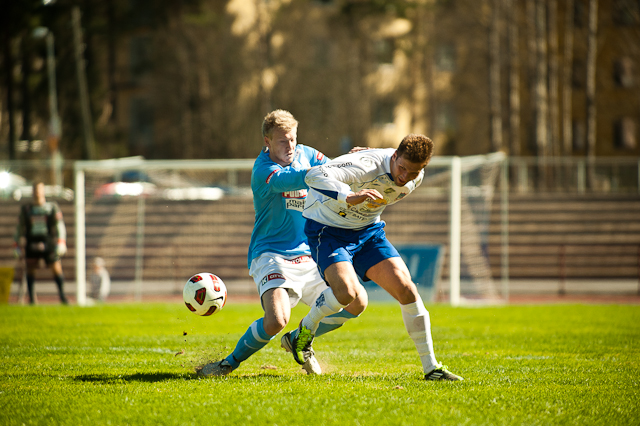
{"x":330,"y":184}
{"x":278,"y":199}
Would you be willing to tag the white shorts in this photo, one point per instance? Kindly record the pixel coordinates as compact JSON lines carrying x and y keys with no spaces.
{"x":299,"y":275}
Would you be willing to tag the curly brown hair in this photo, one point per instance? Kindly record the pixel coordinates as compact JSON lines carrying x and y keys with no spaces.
{"x":278,"y":119}
{"x":416,"y":148}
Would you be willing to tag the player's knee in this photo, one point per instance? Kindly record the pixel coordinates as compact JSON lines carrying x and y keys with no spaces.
{"x":407,"y":293}
{"x":348,"y":293}
{"x":275,"y":324}
{"x":360,"y":303}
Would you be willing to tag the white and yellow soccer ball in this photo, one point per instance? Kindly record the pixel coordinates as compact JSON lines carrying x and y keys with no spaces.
{"x":204,"y":294}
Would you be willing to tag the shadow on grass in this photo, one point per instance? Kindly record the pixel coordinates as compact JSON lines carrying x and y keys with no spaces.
{"x":161,"y":377}
{"x":138,"y":377}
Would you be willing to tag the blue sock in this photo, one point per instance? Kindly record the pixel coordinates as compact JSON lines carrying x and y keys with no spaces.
{"x":333,"y":322}
{"x":254,"y":339}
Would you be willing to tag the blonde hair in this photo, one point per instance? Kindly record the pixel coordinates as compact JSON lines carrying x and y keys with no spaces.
{"x":416,"y":148}
{"x":278,"y":119}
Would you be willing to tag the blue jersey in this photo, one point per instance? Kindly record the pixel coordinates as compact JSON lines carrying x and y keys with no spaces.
{"x":278,"y":200}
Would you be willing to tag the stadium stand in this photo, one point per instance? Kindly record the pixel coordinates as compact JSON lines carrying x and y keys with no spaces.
{"x":551,"y":236}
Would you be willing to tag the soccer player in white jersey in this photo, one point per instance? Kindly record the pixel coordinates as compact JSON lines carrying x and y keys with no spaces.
{"x":279,"y":258}
{"x":347,"y":239}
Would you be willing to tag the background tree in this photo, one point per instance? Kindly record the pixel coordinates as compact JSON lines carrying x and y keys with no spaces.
{"x":567,"y":83}
{"x":494,"y":73}
{"x":513,"y":23}
{"x":592,"y":50}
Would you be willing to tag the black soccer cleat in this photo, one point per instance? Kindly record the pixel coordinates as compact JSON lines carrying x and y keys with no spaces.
{"x":441,"y":373}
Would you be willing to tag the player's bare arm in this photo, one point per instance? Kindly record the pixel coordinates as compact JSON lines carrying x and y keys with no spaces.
{"x":358,"y":149}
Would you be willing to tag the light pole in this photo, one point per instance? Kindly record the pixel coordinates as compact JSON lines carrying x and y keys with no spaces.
{"x":82,"y":84}
{"x":55,"y":126}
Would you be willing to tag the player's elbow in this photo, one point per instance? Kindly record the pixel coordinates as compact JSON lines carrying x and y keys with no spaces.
{"x":313,"y":173}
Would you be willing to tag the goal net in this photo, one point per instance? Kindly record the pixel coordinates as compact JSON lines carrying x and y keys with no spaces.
{"x":461,"y":209}
{"x":156,"y":223}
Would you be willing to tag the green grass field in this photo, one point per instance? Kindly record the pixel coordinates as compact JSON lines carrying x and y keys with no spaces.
{"x":134,"y":364}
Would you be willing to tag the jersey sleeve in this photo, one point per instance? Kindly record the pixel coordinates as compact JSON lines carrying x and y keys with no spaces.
{"x":21,"y":229}
{"x":418,"y":181}
{"x":333,"y":179}
{"x":287,"y":179}
{"x":317,"y":158}
{"x":275,"y":178}
{"x":290,"y":178}
{"x":58,"y":222}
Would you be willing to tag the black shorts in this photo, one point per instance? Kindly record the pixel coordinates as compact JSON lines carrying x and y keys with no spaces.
{"x":41,"y":250}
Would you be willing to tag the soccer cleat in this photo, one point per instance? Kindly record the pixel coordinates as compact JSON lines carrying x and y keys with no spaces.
{"x":219,"y":368}
{"x":298,"y":342}
{"x":285,"y":342}
{"x":441,"y":373}
{"x":310,"y":365}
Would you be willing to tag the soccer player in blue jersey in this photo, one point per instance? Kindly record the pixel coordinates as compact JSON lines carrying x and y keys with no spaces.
{"x":346,"y":198}
{"x":279,"y":258}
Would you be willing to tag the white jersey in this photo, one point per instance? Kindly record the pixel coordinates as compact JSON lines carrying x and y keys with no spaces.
{"x":331,"y":183}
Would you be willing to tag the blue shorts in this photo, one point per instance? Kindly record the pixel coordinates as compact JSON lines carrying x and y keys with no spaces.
{"x":364,"y":248}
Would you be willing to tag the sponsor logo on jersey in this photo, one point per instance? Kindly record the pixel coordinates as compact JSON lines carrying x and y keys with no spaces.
{"x":319,"y":156}
{"x":366,"y":161}
{"x":269,"y":277}
{"x":401,"y":196}
{"x":294,"y":200}
{"x":343,"y":214}
{"x":341,"y":165}
{"x":294,"y":204}
{"x":298,"y":260}
{"x":301,"y":193}
{"x":39,"y":225}
{"x":389,"y":190}
{"x":374,"y":204}
{"x":358,"y":216}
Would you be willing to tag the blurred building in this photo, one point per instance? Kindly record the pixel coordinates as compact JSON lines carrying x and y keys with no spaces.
{"x":194,"y":79}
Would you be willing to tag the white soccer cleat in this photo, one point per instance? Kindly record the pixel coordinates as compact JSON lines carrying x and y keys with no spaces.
{"x":311,"y":365}
{"x":219,"y":368}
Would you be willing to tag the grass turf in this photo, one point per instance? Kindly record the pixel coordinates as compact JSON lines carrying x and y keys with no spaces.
{"x":134,"y":364}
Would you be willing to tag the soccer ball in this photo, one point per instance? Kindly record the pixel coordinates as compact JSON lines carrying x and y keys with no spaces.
{"x":204,"y":294}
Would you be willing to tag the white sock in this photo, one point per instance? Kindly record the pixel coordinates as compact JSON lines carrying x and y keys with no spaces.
{"x":326,"y":304}
{"x":418,"y":325}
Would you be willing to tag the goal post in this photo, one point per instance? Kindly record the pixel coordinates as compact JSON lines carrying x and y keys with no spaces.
{"x":81,"y":263}
{"x":157,"y":222}
{"x":119,"y":213}
{"x":455,"y":231}
{"x":476,"y":177}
